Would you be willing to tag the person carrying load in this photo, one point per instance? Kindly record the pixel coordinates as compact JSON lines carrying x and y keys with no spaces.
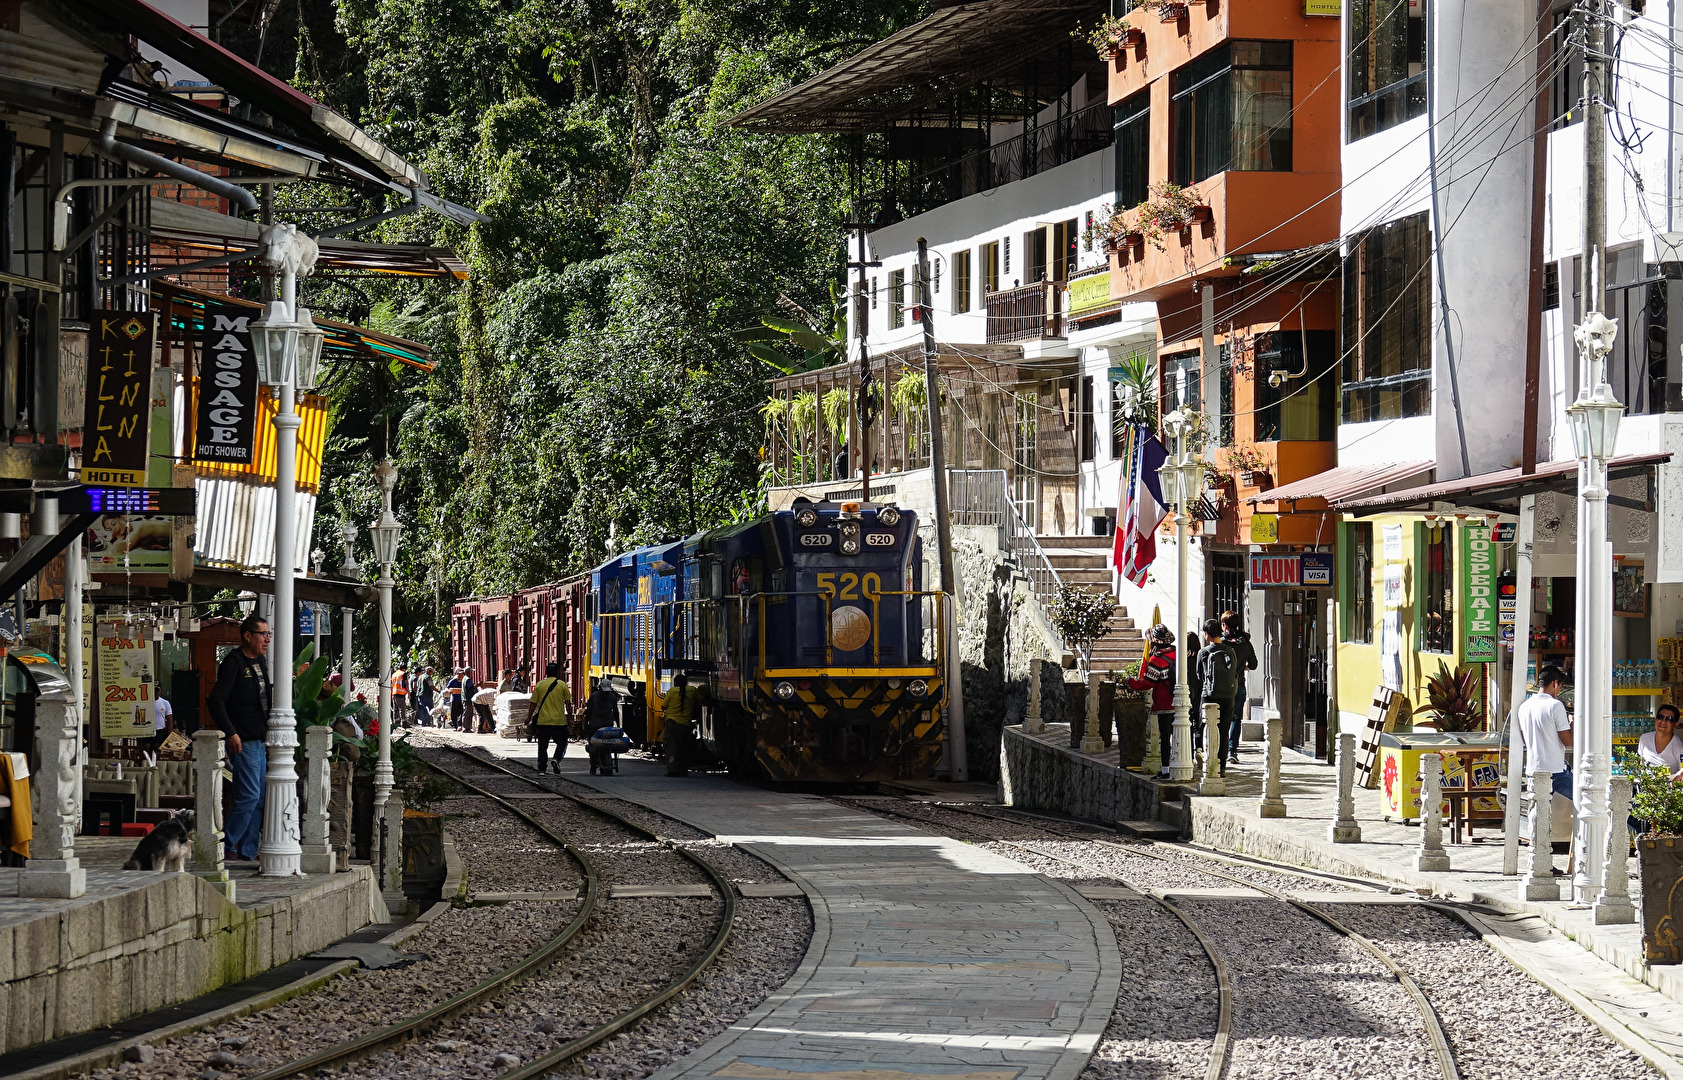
{"x":550,"y":699}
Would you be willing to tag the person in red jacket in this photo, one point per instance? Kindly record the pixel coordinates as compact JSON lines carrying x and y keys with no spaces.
{"x":1157,"y":674}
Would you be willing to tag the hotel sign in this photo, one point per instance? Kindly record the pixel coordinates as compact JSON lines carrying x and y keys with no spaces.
{"x":1478,"y":586}
{"x":117,"y":407}
{"x":1325,"y":8}
{"x":1088,"y":294}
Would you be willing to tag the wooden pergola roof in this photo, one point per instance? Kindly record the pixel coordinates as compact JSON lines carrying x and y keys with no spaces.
{"x":953,"y":49}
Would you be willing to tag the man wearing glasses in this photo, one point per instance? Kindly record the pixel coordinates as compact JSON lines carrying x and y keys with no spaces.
{"x":239,"y":703}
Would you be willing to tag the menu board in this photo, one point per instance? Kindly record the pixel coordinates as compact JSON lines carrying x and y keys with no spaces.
{"x":126,"y":685}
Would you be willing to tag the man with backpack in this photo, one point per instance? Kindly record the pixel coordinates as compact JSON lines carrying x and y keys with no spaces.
{"x":1218,"y":679}
{"x":1235,"y":636}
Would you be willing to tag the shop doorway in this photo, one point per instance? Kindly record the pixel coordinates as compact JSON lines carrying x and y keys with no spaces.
{"x":1303,"y":690}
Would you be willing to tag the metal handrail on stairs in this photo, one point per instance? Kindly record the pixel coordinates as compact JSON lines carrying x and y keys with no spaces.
{"x":979,"y":497}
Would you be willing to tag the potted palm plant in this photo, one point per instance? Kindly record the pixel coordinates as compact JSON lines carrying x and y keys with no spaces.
{"x":1452,"y":699}
{"x":1658,"y":805}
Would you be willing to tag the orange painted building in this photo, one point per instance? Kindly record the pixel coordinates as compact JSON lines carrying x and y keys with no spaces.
{"x":1236,"y":104}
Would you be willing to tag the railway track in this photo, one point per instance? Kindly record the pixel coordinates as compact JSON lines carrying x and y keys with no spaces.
{"x":351,"y":1054}
{"x":1221,"y":1049}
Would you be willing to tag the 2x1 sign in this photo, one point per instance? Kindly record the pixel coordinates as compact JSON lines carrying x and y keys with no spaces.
{"x":226,"y":421}
{"x":1265,"y":528}
{"x":117,"y":408}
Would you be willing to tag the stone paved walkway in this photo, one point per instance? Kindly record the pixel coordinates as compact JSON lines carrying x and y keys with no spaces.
{"x":929,"y":958}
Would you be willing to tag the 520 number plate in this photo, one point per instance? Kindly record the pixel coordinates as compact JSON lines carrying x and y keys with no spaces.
{"x":879,"y":539}
{"x":816,"y":540}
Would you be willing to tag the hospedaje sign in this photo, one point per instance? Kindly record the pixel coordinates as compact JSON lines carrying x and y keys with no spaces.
{"x":117,"y":405}
{"x":1088,"y":294}
{"x":1478,"y":588}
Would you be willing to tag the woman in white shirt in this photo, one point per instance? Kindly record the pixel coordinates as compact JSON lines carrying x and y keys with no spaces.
{"x":1663,"y":746}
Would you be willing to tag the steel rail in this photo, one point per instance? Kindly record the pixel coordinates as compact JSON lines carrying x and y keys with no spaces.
{"x":442,"y":1013}
{"x":1434,"y":1028}
{"x":540,"y":1065}
{"x":1222,"y":1044}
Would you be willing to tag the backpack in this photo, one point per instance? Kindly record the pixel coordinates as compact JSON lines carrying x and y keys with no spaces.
{"x":1221,"y":673}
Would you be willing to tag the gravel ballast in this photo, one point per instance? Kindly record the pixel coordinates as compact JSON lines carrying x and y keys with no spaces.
{"x":1501,"y":1024}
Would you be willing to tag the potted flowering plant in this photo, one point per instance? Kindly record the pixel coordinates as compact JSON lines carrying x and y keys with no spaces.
{"x":1112,"y":35}
{"x":1169,"y":210}
{"x":1658,"y":805}
{"x":1168,"y":10}
{"x":1250,"y":463}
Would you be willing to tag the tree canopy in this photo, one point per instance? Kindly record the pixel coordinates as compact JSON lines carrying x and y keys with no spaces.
{"x":591,"y":378}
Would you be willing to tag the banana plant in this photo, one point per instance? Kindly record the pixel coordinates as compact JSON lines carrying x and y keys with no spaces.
{"x":313,"y":706}
{"x":795,"y":339}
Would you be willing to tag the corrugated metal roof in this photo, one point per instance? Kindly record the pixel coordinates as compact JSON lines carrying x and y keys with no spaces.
{"x":210,"y":233}
{"x":235,"y":528}
{"x":1347,"y":481}
{"x":312,"y":438}
{"x":1493,"y":486}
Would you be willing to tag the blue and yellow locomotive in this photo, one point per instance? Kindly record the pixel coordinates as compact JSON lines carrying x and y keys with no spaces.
{"x":822,"y":653}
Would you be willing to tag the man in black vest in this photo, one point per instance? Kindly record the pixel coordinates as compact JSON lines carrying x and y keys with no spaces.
{"x":239,"y":703}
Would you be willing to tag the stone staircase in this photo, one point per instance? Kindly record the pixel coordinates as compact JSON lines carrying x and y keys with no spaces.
{"x":1084,"y":562}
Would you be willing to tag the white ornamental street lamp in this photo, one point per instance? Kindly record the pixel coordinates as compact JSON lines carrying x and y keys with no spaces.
{"x":386,"y":532}
{"x":1595,"y":420}
{"x":1182,"y":480}
{"x":317,"y":611}
{"x":347,"y":566}
{"x":288,"y":353}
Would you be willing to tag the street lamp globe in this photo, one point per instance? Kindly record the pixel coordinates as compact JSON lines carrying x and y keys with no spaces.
{"x":1595,"y":424}
{"x":385,"y":533}
{"x":310,"y":341}
{"x":274,"y":341}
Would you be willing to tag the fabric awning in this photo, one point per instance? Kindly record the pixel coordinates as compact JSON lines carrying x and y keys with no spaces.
{"x":1489,"y":490}
{"x":1348,"y":482}
{"x":344,"y":341}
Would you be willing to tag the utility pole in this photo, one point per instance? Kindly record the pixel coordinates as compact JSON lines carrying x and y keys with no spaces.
{"x":943,"y":520}
{"x":864,"y":407}
{"x":1595,"y":418}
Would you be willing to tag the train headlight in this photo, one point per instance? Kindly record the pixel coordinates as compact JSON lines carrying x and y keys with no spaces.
{"x":785,"y":691}
{"x":806,"y":517}
{"x":850,"y":546}
{"x":918,"y":688}
{"x":888,"y":516}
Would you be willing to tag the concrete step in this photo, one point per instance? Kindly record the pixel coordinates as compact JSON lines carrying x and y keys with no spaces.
{"x":1099,"y":578}
{"x":1061,"y":558}
{"x":1049,"y":542}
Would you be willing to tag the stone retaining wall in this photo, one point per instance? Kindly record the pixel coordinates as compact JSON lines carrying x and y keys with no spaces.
{"x":1042,"y":773}
{"x":88,"y":963}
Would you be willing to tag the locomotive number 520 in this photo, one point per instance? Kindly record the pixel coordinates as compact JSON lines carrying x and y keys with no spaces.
{"x":850,"y":585}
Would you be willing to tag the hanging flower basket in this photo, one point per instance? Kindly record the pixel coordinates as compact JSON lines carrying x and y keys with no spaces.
{"x":1171,"y":10}
{"x":1132,"y":38}
{"x":1202,"y":215}
{"x":1257,"y":478}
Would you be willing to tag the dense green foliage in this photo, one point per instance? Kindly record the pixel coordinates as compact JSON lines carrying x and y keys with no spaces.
{"x":591,"y":380}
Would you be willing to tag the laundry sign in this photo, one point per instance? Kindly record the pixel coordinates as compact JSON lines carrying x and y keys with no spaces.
{"x":1478,"y":587}
{"x":1275,"y":571}
{"x":226,"y":420}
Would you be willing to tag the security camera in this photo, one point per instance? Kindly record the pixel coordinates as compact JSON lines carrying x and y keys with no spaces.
{"x":1277,"y":379}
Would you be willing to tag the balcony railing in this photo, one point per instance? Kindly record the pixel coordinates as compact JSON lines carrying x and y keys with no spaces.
{"x":1027,"y":313}
{"x":1040,"y":148}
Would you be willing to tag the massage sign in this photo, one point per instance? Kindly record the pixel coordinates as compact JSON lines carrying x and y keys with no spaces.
{"x":226,"y":421}
{"x":118,"y":407}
